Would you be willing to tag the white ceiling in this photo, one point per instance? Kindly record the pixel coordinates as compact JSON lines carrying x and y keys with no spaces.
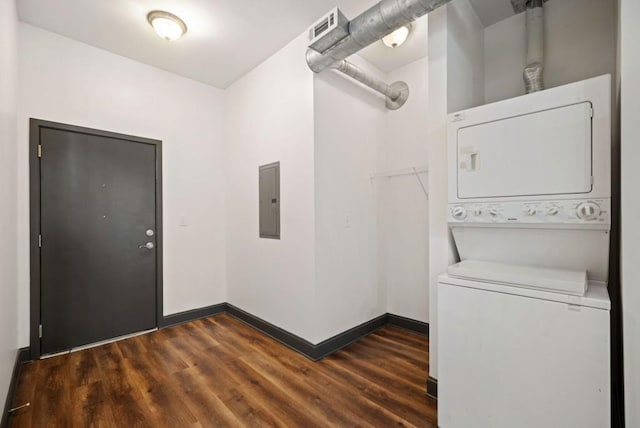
{"x":225,"y":38}
{"x":491,"y":11}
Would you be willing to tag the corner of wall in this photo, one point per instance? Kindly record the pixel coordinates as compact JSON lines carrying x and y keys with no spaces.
{"x":437,"y":140}
{"x":8,"y":195}
{"x":269,"y":117}
{"x":465,"y":55}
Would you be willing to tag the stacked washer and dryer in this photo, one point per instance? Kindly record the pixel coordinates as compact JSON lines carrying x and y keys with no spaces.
{"x":523,"y":318}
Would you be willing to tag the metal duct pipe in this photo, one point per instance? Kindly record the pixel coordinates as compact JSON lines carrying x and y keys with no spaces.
{"x":533,"y":72}
{"x":370,"y":26}
{"x":396,"y":94}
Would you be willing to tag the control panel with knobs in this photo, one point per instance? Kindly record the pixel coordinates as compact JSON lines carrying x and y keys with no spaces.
{"x":459,"y":213}
{"x":588,"y":211}
{"x":576,"y":211}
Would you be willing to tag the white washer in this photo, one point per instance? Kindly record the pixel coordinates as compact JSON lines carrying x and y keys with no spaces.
{"x":517,"y":357}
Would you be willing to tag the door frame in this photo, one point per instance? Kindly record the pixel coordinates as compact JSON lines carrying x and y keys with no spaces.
{"x":35,"y":125}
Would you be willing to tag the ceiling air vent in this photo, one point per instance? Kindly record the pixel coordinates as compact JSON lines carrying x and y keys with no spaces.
{"x":328,"y":30}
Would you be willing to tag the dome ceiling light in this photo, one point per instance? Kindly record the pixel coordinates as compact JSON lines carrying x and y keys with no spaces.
{"x":167,"y":25}
{"x":398,"y":37}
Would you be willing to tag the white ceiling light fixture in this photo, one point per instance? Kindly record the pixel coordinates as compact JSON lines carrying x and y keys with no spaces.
{"x":398,"y":37}
{"x":167,"y":25}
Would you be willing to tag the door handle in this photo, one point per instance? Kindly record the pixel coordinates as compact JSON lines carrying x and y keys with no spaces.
{"x":148,"y":246}
{"x":474,"y":161}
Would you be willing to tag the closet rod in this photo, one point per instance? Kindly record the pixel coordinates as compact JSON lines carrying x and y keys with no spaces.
{"x":397,"y":173}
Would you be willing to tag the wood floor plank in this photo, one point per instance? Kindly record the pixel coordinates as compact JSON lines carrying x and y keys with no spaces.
{"x":204,"y":402}
{"x":220,"y":372}
{"x":159,"y":392}
{"x":135,"y":415}
{"x":263,"y":395}
{"x":401,"y":349}
{"x":407,"y":406}
{"x":25,"y":393}
{"x":53,"y":394}
{"x":325,"y":401}
{"x":398,"y":364}
{"x":383,"y":372}
{"x":302,"y":393}
{"x":234,"y":395}
{"x":90,"y":407}
{"x":368,"y":411}
{"x":84,"y":368}
{"x":401,"y":335}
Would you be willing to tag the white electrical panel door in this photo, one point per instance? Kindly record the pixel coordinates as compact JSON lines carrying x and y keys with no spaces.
{"x":509,"y":361}
{"x":542,"y":153}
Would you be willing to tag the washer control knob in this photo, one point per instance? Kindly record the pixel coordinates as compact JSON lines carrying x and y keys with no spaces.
{"x":493,"y":212}
{"x":477,"y":212}
{"x":553,"y":211}
{"x":588,"y":211}
{"x":530,"y":211}
{"x":459,"y":213}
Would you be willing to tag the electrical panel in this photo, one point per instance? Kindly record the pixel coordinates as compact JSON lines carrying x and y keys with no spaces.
{"x":269,"y":193}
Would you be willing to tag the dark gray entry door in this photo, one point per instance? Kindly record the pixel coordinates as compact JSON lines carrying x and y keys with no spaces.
{"x":97,"y":210}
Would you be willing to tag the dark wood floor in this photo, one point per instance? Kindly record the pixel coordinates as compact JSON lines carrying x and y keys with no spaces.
{"x":220,"y":372}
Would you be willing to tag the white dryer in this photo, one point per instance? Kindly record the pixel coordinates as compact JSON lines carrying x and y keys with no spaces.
{"x":523,"y":319}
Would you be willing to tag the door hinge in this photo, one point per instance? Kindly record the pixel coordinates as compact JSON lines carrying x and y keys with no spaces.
{"x":39,"y":150}
{"x":40,"y":331}
{"x":39,"y":241}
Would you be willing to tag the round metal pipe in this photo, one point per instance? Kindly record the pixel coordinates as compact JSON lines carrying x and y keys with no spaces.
{"x":534,"y":70}
{"x":396,"y":94}
{"x":361,"y":76}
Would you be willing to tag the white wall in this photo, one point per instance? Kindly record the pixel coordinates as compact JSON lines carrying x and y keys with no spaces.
{"x":437,"y":155}
{"x":465,"y":57}
{"x":349,"y":123}
{"x":66,"y":81}
{"x":268,"y":118}
{"x":326,"y":274}
{"x":580,"y":43}
{"x":455,"y":82}
{"x":404,"y":226}
{"x":630,"y":252}
{"x":8,"y":196}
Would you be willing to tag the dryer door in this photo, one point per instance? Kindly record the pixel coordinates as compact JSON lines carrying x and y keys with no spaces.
{"x":543,"y":153}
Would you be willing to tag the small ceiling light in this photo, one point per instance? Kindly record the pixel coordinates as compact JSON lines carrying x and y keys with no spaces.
{"x":398,"y":37}
{"x":167,"y":25}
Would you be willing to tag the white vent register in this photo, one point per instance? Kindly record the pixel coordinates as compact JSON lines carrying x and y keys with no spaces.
{"x":328,"y":30}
